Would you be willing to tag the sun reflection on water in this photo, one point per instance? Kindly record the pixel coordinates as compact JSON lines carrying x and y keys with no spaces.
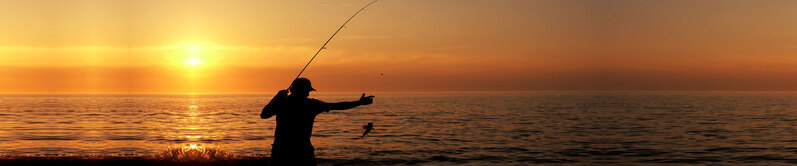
{"x":193,"y":110}
{"x":193,"y":124}
{"x":195,"y":129}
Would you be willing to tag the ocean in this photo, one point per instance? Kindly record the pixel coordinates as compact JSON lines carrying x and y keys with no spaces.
{"x":485,"y":128}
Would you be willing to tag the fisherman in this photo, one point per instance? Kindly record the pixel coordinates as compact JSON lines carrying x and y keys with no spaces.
{"x":295,"y":116}
{"x":368,"y":127}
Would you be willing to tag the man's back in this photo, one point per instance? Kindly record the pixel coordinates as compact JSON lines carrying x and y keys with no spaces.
{"x":295,"y":121}
{"x":295,"y":117}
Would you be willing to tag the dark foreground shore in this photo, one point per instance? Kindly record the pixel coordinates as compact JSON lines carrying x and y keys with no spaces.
{"x":177,"y":156}
{"x":172,"y":156}
{"x":123,"y":161}
{"x":136,"y":161}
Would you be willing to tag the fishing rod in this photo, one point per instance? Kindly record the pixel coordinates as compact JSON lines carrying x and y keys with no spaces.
{"x":330,"y":38}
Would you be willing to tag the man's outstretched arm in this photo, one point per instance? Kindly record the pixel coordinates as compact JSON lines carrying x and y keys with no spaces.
{"x":274,"y":105}
{"x":351,"y":104}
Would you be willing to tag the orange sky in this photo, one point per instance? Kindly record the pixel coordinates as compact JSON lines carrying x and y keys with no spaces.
{"x":154,"y":46}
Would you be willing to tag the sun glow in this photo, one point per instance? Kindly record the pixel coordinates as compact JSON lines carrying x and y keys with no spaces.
{"x":193,"y":54}
{"x":193,"y":62}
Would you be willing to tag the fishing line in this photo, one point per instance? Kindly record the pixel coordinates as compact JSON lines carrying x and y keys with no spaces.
{"x":330,"y":38}
{"x":377,"y":83}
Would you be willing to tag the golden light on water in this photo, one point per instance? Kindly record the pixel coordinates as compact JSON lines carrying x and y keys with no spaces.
{"x":193,"y":111}
{"x":192,"y":122}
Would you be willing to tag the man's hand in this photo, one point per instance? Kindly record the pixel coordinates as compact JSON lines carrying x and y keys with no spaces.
{"x":365,"y":100}
{"x":282,"y":93}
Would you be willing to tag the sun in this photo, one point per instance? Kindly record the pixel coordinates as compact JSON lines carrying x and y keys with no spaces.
{"x":193,"y":61}
{"x":193,"y":55}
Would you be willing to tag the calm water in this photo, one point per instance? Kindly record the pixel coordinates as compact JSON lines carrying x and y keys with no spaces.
{"x":424,"y":128}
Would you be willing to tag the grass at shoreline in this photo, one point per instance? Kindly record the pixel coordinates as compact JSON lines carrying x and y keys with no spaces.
{"x":122,"y":160}
{"x":173,"y":156}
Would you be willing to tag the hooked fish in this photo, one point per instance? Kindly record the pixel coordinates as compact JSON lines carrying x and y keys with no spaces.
{"x":368,"y":128}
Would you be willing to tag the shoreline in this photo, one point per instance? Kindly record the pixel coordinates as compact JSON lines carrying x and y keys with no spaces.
{"x":123,"y":161}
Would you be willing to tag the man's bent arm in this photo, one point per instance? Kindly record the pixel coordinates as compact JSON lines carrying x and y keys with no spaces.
{"x":274,"y":105}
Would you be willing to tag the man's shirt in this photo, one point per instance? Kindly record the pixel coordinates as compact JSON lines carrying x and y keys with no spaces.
{"x":295,"y":118}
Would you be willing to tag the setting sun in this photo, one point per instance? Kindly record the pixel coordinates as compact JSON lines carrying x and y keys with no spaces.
{"x":193,"y":52}
{"x":193,"y":62}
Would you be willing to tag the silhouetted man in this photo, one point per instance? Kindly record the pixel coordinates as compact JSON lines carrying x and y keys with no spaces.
{"x":295,"y":116}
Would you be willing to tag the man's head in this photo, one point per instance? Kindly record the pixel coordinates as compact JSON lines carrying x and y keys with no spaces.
{"x":301,"y":86}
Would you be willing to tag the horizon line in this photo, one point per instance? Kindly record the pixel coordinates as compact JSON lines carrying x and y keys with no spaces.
{"x":443,"y":91}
